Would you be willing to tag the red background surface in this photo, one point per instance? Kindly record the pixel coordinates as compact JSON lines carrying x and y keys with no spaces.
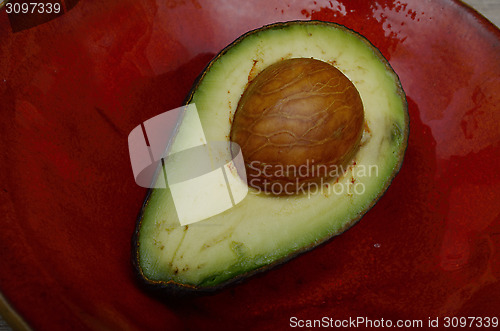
{"x":73,"y":88}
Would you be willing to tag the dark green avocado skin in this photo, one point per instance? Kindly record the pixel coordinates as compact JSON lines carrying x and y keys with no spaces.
{"x":169,"y":289}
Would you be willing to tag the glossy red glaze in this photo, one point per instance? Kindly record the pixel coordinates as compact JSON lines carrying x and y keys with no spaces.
{"x":74,"y":87}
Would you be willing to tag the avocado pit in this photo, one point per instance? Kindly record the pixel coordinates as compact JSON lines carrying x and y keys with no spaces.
{"x":297,"y":123}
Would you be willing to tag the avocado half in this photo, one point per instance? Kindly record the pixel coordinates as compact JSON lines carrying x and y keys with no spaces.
{"x":263,"y":230}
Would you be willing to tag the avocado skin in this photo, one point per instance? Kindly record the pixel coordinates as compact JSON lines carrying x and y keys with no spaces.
{"x":168,"y":289}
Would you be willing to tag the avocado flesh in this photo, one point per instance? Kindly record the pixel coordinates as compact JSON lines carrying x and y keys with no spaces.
{"x":263,"y":230}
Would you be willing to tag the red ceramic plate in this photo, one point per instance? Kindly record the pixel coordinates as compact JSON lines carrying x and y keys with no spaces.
{"x":74,"y":87}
